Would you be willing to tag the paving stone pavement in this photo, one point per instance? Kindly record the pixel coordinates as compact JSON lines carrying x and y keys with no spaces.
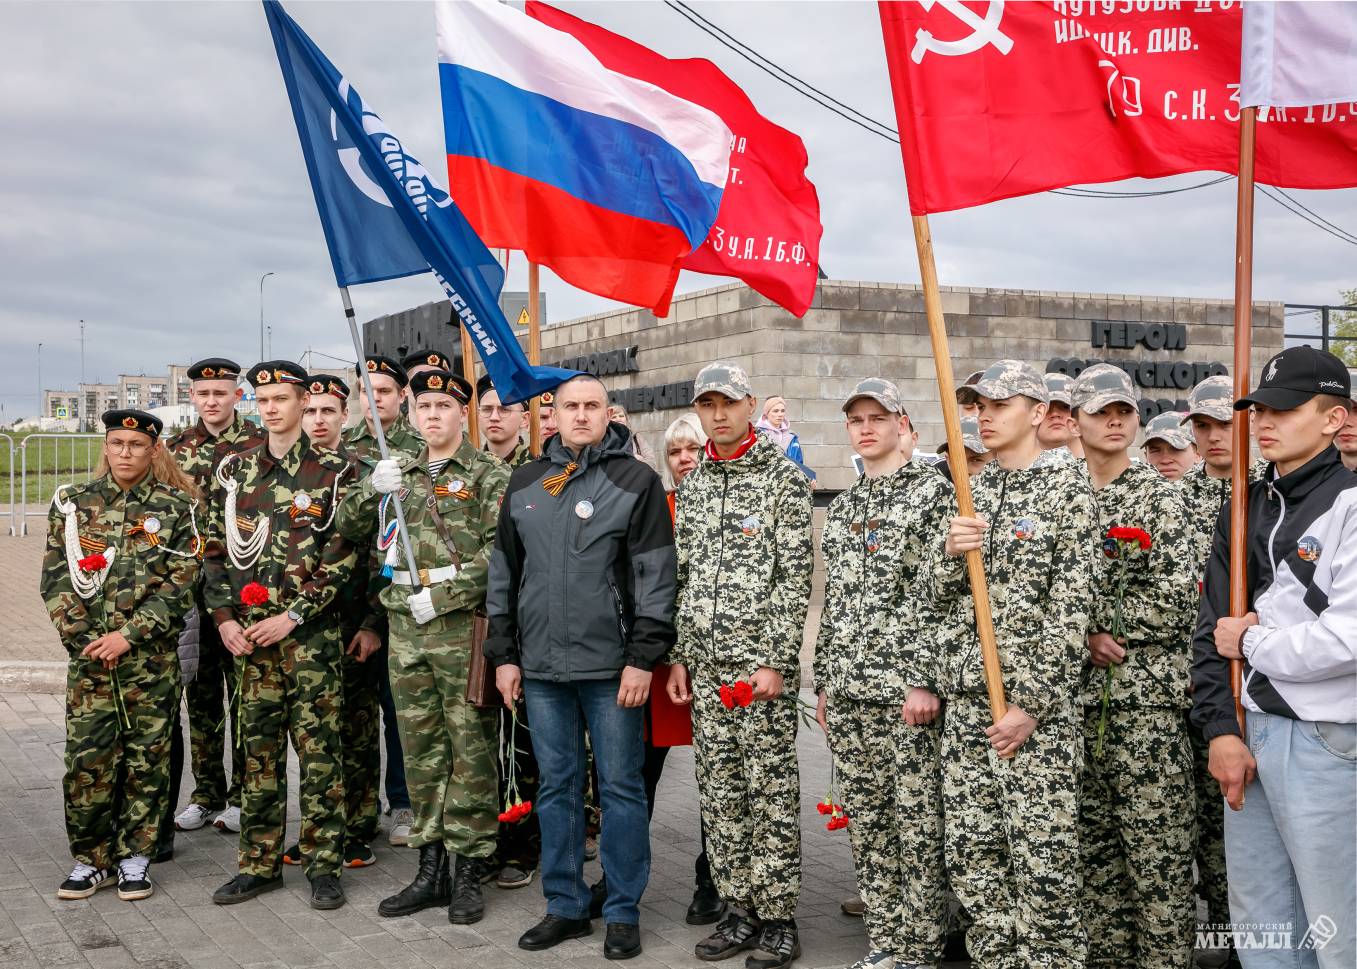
{"x":180,"y":927}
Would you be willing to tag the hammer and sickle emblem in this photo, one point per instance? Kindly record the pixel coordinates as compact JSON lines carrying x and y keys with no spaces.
{"x":984,"y":32}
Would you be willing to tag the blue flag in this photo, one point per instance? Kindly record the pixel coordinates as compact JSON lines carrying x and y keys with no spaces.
{"x":383,"y":216}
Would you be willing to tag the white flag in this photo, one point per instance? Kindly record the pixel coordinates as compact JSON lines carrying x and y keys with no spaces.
{"x":1299,"y":53}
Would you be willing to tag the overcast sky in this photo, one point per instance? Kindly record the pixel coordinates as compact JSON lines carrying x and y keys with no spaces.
{"x":151,"y":172}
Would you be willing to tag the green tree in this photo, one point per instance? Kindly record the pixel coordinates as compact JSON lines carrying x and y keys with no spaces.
{"x":1344,"y":323}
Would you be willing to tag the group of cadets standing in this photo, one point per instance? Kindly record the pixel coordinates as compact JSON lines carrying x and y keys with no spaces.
{"x":1066,"y":829}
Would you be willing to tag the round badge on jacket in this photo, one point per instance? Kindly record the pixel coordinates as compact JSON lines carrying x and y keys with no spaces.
{"x":584,"y":509}
{"x":152,"y":525}
{"x":301,"y":501}
{"x":1024,"y":528}
{"x":1309,"y":548}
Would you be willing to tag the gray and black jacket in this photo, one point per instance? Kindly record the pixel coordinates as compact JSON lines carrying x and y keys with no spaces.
{"x":582,"y":583}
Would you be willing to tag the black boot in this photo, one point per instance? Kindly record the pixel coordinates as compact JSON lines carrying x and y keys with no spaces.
{"x":598,"y":897}
{"x":430,"y":887}
{"x":468,"y":906}
{"x":706,"y":906}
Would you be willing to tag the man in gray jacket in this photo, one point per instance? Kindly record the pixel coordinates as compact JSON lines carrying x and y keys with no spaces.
{"x":581,"y":603}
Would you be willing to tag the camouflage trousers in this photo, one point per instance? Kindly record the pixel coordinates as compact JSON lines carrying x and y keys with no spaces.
{"x":1209,"y":847}
{"x":207,"y":698}
{"x":118,"y":772}
{"x":360,"y":740}
{"x":1136,"y":825}
{"x":749,"y":788}
{"x":888,"y":781}
{"x":292,"y":690}
{"x":1012,"y":839}
{"x":451,"y":748}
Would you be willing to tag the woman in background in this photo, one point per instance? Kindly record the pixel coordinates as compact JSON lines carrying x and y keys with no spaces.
{"x":777,"y":428}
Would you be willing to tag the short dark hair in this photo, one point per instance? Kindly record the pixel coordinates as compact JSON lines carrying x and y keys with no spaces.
{"x":579,"y":377}
{"x":1326,"y":402}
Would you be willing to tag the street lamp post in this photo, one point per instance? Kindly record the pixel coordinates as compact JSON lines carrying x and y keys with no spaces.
{"x":261,"y":314}
{"x":41,"y":408}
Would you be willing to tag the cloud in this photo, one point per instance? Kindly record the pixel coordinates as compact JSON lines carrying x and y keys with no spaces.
{"x":152,"y":174}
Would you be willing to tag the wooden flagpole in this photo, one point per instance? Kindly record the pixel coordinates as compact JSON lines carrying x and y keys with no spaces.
{"x":1243,"y":343}
{"x":956,"y":460}
{"x":469,"y":372}
{"x":534,"y":355}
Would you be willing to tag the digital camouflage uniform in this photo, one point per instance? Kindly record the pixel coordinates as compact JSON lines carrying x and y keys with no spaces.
{"x":1010,"y":824}
{"x":520,"y":842}
{"x":198,"y":453}
{"x":291,"y":689}
{"x":450,"y":746}
{"x":743,"y":537}
{"x":1136,"y":822}
{"x":875,"y":644}
{"x":117,"y":760}
{"x":360,"y":608}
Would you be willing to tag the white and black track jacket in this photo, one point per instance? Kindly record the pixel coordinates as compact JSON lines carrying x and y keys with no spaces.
{"x":1301,"y":658}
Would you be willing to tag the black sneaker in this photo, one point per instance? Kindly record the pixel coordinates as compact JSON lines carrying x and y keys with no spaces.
{"x":326,"y":892}
{"x":292,"y":855}
{"x":134,"y":878}
{"x":84,"y":880}
{"x":778,"y":945}
{"x":242,"y":888}
{"x":358,"y":855}
{"x":733,"y":935}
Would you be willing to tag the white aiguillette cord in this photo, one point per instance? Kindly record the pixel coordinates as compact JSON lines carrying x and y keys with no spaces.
{"x":244,"y":552}
{"x":86,"y":584}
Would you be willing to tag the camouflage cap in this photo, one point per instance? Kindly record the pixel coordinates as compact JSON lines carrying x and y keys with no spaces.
{"x":1100,"y":385}
{"x":878,"y":389}
{"x":1058,"y":387}
{"x":965,"y":394}
{"x":970,"y":437}
{"x":1168,"y":427}
{"x":1212,"y":397}
{"x":1011,"y":378}
{"x":726,"y":378}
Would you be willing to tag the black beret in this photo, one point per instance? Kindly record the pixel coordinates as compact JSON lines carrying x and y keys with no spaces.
{"x":441,"y":382}
{"x":379,"y":364}
{"x":133,"y":420}
{"x":214,"y":368}
{"x":327,"y":383}
{"x":428,"y":358}
{"x":275,"y":372}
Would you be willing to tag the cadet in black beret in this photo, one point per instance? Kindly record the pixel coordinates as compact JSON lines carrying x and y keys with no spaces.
{"x":276,"y":372}
{"x":436,"y":359}
{"x":134,"y":420}
{"x":441,"y":382}
{"x":327,"y":383}
{"x":380,"y":364}
{"x":214,"y":368}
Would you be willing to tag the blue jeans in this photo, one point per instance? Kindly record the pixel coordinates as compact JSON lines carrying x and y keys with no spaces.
{"x":559,"y":713}
{"x":1290,"y":851}
{"x":397,"y":794}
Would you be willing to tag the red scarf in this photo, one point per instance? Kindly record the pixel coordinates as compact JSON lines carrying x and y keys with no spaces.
{"x":745,"y":445}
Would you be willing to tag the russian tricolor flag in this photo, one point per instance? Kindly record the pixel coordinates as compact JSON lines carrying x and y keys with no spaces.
{"x":608,"y":180}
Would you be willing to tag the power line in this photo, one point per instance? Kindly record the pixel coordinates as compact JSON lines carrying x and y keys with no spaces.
{"x":1339,"y":234}
{"x":1295,"y":201}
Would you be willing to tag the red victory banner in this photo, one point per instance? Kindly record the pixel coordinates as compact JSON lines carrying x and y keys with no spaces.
{"x":767,"y":232}
{"x":996,"y":100}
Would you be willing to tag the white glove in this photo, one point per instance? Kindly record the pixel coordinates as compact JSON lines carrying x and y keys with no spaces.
{"x":386,"y":477}
{"x":421,"y":605}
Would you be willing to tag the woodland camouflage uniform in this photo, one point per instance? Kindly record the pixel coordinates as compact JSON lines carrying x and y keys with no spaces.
{"x":118,"y":721}
{"x":291,"y":689}
{"x":876,"y":643}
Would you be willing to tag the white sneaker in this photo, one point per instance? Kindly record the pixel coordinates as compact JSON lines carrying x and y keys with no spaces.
{"x":876,"y":959}
{"x":401,"y":820}
{"x":84,"y":881}
{"x":192,"y":818}
{"x":228,"y":820}
{"x":134,"y":879}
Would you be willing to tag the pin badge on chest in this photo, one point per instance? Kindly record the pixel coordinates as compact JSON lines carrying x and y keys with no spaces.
{"x":584,"y":509}
{"x":151,"y":524}
{"x":301,"y":501}
{"x":457,"y":484}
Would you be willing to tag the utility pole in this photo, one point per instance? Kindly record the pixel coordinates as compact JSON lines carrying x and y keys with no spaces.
{"x":41,"y":409}
{"x":262,"y":355}
{"x":82,"y":423}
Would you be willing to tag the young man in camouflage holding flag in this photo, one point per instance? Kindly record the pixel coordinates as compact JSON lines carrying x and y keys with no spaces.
{"x":218,"y":433}
{"x":1135,"y":818}
{"x":1010,"y":790}
{"x":275,"y":565}
{"x":743,"y":537}
{"x":117,"y":578}
{"x":451,"y":494}
{"x":875,"y":673}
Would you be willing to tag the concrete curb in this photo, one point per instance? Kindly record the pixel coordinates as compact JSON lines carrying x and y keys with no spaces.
{"x":33,"y":676}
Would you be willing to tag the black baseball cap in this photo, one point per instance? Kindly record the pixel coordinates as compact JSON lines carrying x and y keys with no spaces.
{"x":1295,"y":375}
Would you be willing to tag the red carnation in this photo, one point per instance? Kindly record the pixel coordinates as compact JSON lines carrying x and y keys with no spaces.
{"x":743,"y":693}
{"x":838,"y":821}
{"x":825,"y":807}
{"x":727,"y":696}
{"x":504,"y":817}
{"x":254,"y":594}
{"x":1137,"y":535}
{"x":93,"y":563}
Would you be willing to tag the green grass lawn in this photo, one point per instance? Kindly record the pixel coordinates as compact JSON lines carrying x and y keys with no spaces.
{"x":51,"y":460}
